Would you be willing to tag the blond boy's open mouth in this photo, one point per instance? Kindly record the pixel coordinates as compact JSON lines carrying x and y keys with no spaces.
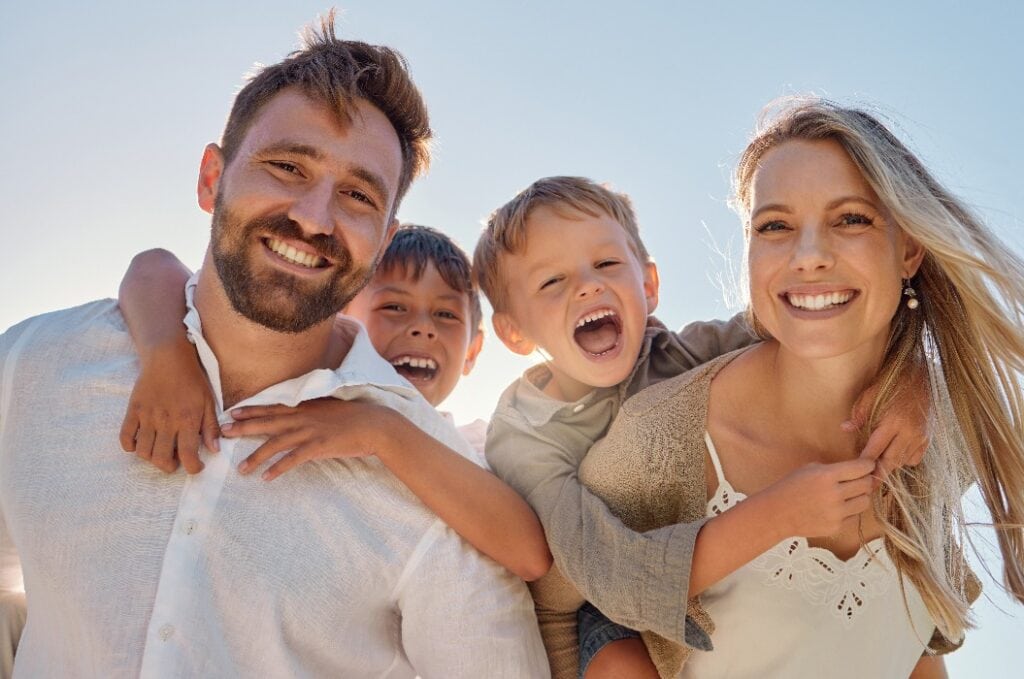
{"x":598,"y":332}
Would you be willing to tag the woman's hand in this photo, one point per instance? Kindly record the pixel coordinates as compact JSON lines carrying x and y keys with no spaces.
{"x":318,"y":429}
{"x":170,"y":409}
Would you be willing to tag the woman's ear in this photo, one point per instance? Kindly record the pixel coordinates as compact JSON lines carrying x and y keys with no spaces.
{"x":508,"y":332}
{"x":913,"y":255}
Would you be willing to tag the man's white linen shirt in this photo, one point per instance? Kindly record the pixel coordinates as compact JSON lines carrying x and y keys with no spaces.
{"x":333,"y":570}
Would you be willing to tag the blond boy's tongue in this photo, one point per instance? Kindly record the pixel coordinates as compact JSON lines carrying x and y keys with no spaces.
{"x":598,"y":336}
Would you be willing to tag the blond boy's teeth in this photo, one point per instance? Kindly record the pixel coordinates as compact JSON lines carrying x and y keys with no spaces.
{"x":415,"y":362}
{"x":294,"y":256}
{"x":594,"y":316}
{"x":820,"y":302}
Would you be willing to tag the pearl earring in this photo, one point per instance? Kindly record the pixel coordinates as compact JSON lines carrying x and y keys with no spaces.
{"x":910,"y":294}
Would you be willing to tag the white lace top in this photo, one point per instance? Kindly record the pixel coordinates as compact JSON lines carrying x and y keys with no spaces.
{"x":800,"y":611}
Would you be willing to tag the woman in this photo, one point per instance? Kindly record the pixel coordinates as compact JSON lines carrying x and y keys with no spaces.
{"x":861,"y":269}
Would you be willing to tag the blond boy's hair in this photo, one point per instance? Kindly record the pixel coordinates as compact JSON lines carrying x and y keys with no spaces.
{"x":505,"y":232}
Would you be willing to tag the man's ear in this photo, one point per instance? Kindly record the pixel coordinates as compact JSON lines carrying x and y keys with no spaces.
{"x":211,"y":168}
{"x":913,"y":255}
{"x":475,"y":345}
{"x":508,"y":332}
{"x":651,"y":285}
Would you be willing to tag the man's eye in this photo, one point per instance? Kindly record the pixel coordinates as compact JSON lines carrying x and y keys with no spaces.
{"x":359,"y":196}
{"x":290,"y":168}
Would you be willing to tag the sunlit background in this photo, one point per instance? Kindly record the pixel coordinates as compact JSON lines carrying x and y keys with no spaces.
{"x":106,"y":107}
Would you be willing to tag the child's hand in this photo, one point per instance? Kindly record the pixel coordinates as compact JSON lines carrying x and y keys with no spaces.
{"x":901,"y":437}
{"x":319,"y":429}
{"x":817,"y":500}
{"x":170,"y":408}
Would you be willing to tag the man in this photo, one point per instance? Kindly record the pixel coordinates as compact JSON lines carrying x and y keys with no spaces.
{"x":335,"y":570}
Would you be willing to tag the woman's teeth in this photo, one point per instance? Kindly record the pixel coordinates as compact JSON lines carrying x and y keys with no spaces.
{"x":292,"y":255}
{"x":819,"y":302}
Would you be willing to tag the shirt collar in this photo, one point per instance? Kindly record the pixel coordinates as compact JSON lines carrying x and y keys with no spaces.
{"x":362,"y":365}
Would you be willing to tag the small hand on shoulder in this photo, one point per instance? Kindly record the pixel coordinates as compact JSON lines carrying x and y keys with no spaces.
{"x":319,"y":429}
{"x":171,"y":410}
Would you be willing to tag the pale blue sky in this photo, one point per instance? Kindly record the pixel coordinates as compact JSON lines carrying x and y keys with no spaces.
{"x":107,"y":106}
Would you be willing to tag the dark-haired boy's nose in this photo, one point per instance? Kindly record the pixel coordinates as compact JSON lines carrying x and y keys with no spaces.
{"x":423,"y":327}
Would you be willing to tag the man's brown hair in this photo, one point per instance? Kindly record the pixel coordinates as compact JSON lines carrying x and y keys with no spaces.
{"x":337,"y":72}
{"x":505,"y":232}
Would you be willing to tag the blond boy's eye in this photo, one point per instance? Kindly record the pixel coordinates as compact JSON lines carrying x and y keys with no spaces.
{"x":605,"y":263}
{"x":549,"y":282}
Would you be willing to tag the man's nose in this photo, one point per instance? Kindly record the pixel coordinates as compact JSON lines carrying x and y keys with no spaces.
{"x":313,"y":210}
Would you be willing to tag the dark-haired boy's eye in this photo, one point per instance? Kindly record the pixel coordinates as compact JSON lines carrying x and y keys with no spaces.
{"x":391,"y":307}
{"x":448,"y":315}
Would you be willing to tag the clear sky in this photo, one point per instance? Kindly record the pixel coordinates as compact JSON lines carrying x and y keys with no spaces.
{"x":107,"y":106}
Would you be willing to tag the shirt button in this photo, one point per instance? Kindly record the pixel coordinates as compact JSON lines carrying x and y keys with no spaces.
{"x":578,"y":407}
{"x":166,"y":632}
{"x":190,"y":526}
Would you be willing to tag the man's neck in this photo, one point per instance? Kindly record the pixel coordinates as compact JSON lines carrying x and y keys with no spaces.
{"x":252,"y":357}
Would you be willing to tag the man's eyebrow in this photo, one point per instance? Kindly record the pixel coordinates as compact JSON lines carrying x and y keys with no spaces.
{"x":292,"y":149}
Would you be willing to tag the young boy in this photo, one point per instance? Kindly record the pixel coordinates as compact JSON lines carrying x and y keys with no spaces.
{"x":565,"y":271}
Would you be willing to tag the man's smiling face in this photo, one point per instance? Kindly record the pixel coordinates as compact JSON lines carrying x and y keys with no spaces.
{"x":303,"y":211}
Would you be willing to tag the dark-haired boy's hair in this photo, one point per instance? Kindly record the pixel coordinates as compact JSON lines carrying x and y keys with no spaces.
{"x":415,"y":246}
{"x":338,"y":72}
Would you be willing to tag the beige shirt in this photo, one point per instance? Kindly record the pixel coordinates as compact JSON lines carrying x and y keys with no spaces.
{"x":535,"y":443}
{"x":333,"y":570}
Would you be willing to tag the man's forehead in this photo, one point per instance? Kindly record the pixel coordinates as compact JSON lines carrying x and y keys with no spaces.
{"x":311,"y":127}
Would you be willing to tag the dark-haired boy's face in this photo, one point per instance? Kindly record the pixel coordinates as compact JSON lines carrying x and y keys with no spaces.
{"x":302,"y":212}
{"x":422,"y":327}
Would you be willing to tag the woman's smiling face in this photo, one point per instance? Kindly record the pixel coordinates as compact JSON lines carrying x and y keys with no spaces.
{"x":826,"y":259}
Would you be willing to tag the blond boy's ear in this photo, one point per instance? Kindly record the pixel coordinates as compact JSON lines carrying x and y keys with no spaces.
{"x":211,"y":168}
{"x":475,"y":345}
{"x":651,"y":285}
{"x":508,"y":332}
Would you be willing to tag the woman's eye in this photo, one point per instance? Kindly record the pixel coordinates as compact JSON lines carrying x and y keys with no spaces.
{"x":770,"y":227}
{"x":854,"y":219}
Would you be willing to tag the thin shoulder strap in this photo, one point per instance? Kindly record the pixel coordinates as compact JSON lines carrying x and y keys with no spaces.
{"x":714,"y":458}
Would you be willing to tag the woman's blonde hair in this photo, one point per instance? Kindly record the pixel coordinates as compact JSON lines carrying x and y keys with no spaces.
{"x":968,"y":330}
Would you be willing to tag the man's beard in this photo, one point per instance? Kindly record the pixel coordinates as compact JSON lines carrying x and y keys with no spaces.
{"x":272,"y":298}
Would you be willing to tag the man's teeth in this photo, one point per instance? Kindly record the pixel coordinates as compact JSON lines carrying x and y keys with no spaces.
{"x":415,"y":362}
{"x":294,"y":256}
{"x":589,"y":318}
{"x":819,"y":302}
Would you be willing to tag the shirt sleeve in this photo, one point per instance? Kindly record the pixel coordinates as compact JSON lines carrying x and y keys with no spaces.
{"x":640,"y":580}
{"x":463,"y":615}
{"x":10,"y":564}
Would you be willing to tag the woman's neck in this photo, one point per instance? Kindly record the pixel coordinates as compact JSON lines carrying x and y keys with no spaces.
{"x":818,"y":394}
